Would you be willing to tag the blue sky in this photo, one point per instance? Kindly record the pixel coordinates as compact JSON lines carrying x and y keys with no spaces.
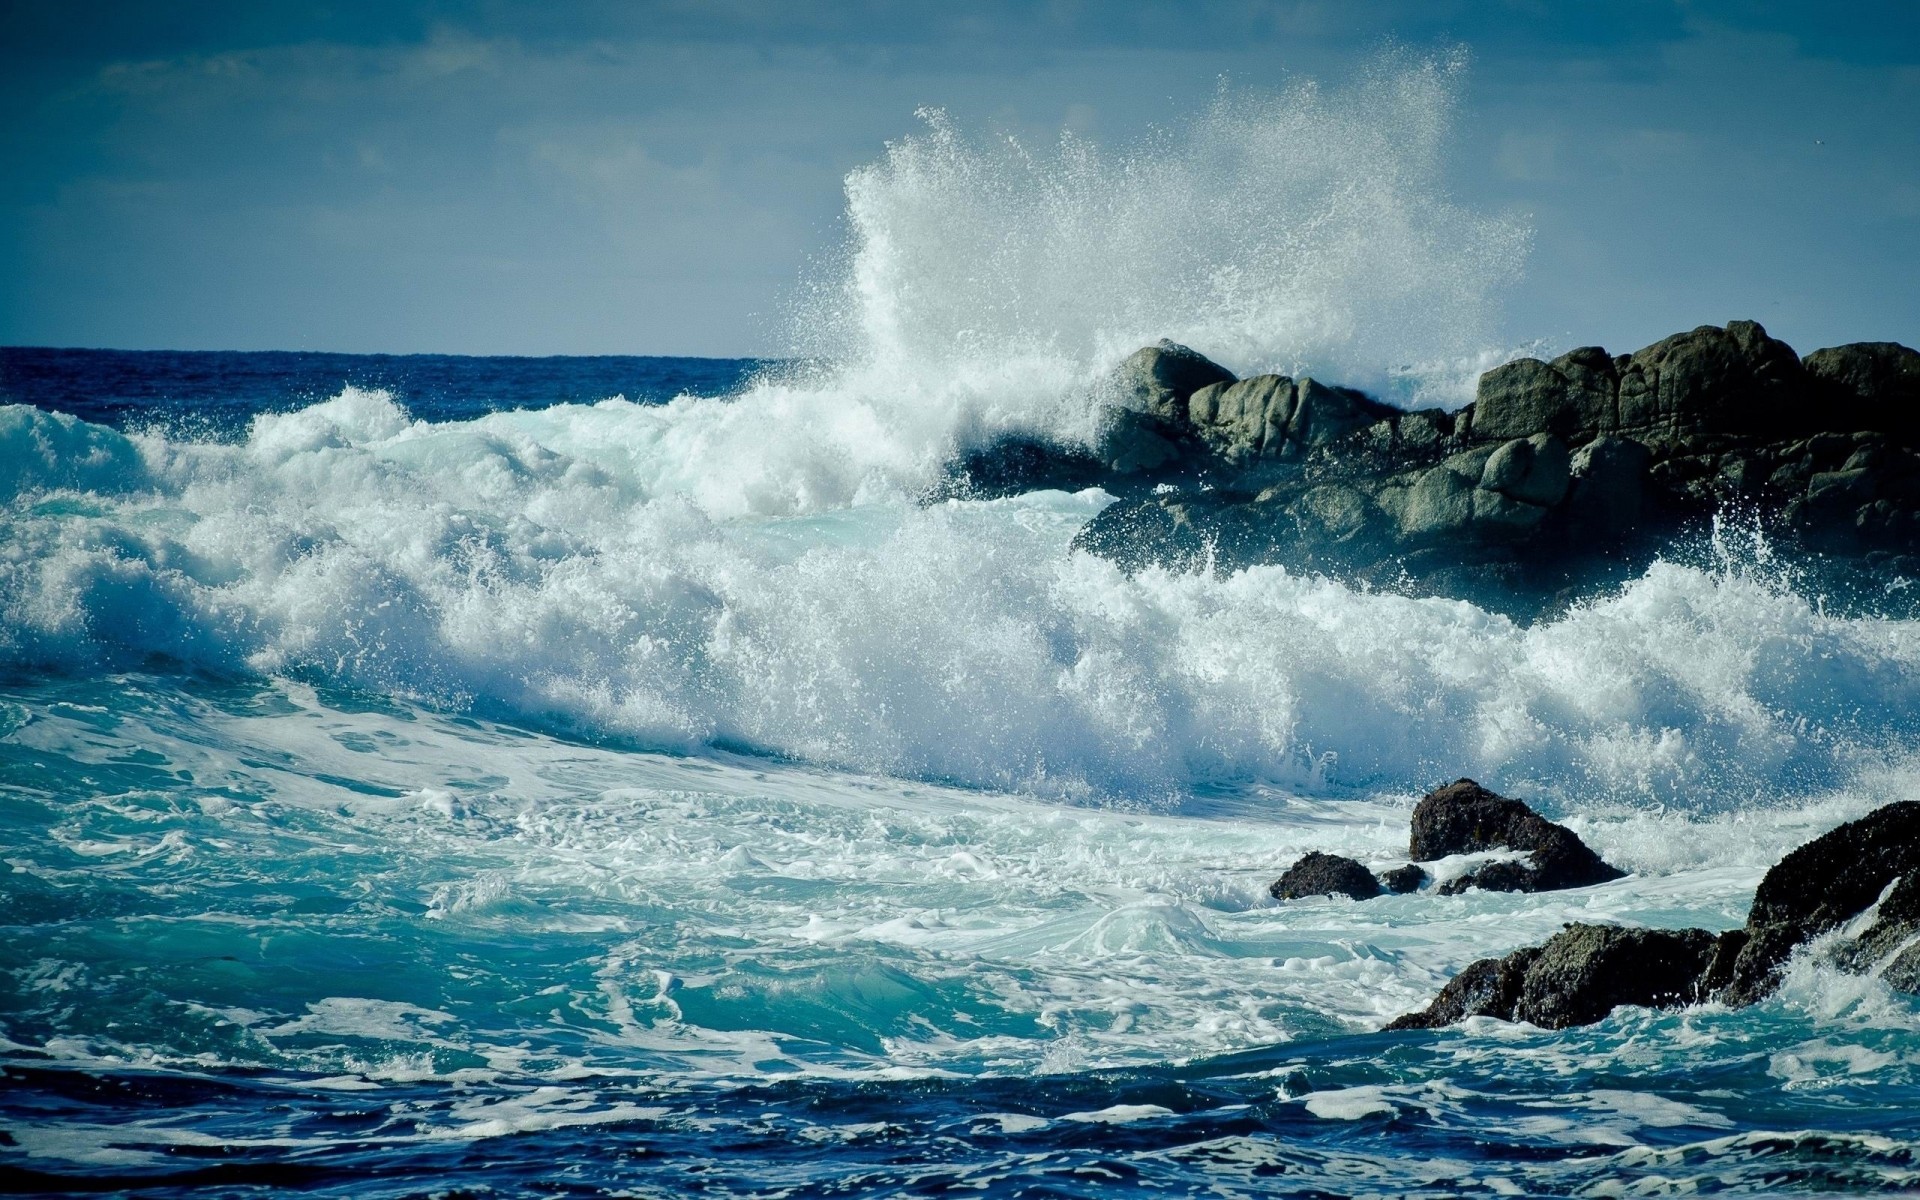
{"x":656,"y":177}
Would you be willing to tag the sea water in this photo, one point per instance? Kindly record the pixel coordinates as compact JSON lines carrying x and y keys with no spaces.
{"x":493,"y":777}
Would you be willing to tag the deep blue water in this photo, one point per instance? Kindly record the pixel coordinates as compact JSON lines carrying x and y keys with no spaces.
{"x":219,"y":391}
{"x":420,"y":776}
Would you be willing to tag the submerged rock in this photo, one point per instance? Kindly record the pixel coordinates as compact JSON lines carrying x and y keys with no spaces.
{"x":1320,"y":874}
{"x":1465,"y":818}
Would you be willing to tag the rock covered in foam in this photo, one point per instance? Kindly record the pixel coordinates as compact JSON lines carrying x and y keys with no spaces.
{"x":1319,"y":874}
{"x":1465,"y":818}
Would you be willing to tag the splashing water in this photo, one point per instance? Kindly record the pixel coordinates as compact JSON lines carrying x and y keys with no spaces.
{"x":656,"y":796}
{"x":1304,"y":231}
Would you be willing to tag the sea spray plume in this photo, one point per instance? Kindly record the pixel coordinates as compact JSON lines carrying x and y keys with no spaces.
{"x":1307,"y":230}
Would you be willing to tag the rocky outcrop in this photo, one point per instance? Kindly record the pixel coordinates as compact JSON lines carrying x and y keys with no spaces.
{"x":1144,"y":422}
{"x":1826,"y":884}
{"x":1462,"y":818}
{"x":1561,"y":476}
{"x":1403,"y":880}
{"x":1320,"y":874}
{"x":1577,"y":977}
{"x":1465,"y":818}
{"x":1864,"y":871}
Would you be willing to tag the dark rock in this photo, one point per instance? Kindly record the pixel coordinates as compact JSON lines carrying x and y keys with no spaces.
{"x":1609,"y":489}
{"x":1561,"y":478}
{"x":1876,"y":385}
{"x":1586,"y":971}
{"x":1487,"y":988}
{"x":1579,"y":976}
{"x":1272,"y":417}
{"x":1533,"y":470}
{"x":1714,"y":381}
{"x":1132,"y":442}
{"x":1465,"y":818}
{"x":1402,"y":880}
{"x":1825,"y":884}
{"x":1015,"y":465}
{"x":1320,"y":874}
{"x":1244,"y":421}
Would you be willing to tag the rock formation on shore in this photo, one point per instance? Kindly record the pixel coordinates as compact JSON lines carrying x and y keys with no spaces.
{"x":1557,"y":476}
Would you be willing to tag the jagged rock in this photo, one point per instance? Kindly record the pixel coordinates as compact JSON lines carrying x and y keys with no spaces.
{"x":1713,"y":381}
{"x":1825,"y":884}
{"x":1465,"y":818}
{"x":1579,"y":976}
{"x":1274,"y":417}
{"x":1402,"y":880}
{"x":1489,"y":987}
{"x":1320,"y":874}
{"x":1562,"y":477}
{"x":1244,"y":421}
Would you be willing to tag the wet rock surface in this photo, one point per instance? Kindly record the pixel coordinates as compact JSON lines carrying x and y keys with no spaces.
{"x":1866,"y":869}
{"x":1577,"y":977}
{"x":1560,"y":477}
{"x":1319,"y":874}
{"x":1465,"y":818}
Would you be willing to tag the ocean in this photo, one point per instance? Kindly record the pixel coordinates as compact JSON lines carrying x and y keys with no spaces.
{"x":448,"y":776}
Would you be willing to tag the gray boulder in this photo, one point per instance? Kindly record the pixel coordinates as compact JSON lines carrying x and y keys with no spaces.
{"x":1572,"y":397}
{"x":1713,"y":382}
{"x":1274,"y":417}
{"x":1159,"y":379}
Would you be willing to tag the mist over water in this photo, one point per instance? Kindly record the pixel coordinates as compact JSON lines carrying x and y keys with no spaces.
{"x":666,"y":773}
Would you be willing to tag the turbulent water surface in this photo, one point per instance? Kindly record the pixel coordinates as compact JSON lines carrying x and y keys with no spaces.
{"x":479,"y":777}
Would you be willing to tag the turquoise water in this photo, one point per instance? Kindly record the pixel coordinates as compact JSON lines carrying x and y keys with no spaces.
{"x":461,"y":777}
{"x":398,"y":806}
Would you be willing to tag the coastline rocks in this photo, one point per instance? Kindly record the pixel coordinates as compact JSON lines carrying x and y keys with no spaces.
{"x":1827,"y":883}
{"x":1561,"y":477}
{"x":1577,"y":977}
{"x":1144,"y":426}
{"x":1867,"y":869}
{"x":1319,"y":874}
{"x":1465,"y":818}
